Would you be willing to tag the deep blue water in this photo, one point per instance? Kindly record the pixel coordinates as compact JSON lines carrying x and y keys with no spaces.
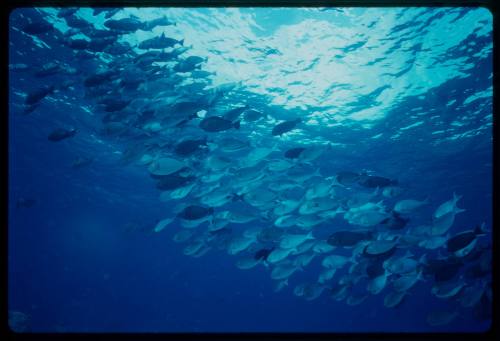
{"x":400,"y":93}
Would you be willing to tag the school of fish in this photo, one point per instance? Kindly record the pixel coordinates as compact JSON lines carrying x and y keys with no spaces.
{"x":267,"y":203}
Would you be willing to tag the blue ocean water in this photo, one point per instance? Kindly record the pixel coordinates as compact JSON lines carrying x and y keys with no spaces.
{"x":400,"y":93}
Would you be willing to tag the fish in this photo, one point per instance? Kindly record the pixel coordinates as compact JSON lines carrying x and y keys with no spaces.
{"x":165,"y":166}
{"x":160,"y":42}
{"x":278,"y":254}
{"x":335,"y":261}
{"x":394,"y":299}
{"x":238,"y":244}
{"x":195,"y":212}
{"x":124,"y":24}
{"x":215,"y":124}
{"x":463,"y":239}
{"x":188,"y":147}
{"x":162,"y":224}
{"x":290,"y":241}
{"x":283,"y":271}
{"x":377,"y":284}
{"x":407,"y":206}
{"x":448,"y":206}
{"x":38,"y":94}
{"x":406,"y":281}
{"x":347,"y":178}
{"x":285,"y":127}
{"x":60,"y":134}
{"x":161,"y":21}
{"x":294,"y":153}
{"x":372,"y":181}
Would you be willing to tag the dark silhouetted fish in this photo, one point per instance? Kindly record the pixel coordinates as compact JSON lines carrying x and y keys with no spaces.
{"x":372,"y":181}
{"x":235,"y":113}
{"x":285,"y":127}
{"x":183,"y":66}
{"x":39,"y":94}
{"x":463,"y":239}
{"x":160,"y":42}
{"x":195,"y":212}
{"x":61,"y":134}
{"x":124,"y":25}
{"x":215,"y":124}
{"x":294,"y":153}
{"x":171,"y":182}
{"x":162,"y":21}
{"x":188,"y":147}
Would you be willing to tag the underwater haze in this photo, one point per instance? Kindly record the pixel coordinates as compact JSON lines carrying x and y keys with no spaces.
{"x":250,"y":170}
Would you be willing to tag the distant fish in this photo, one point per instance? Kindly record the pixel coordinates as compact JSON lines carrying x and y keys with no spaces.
{"x":125,"y":24}
{"x":61,"y":134}
{"x":294,"y":153}
{"x":214,"y":124}
{"x":285,"y":127}
{"x":372,"y":181}
{"x":38,"y":94}
{"x":162,"y":21}
{"x":195,"y":212}
{"x":188,"y":147}
{"x":234,"y":114}
{"x":160,"y":42}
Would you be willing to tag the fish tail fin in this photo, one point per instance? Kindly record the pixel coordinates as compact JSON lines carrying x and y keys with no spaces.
{"x":236,"y":125}
{"x":310,"y":235}
{"x":285,"y":282}
{"x":423,"y":259}
{"x":181,"y":42}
